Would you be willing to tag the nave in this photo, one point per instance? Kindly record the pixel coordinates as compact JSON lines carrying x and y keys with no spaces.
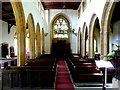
{"x":34,"y":34}
{"x":70,"y":71}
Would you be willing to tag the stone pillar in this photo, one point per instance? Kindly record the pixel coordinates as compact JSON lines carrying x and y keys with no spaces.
{"x":101,"y":43}
{"x":78,"y":51}
{"x":80,"y":45}
{"x":38,"y":46}
{"x":32,"y":45}
{"x":21,"y":30}
{"x":21,"y":48}
{"x":83,"y":46}
{"x":91,"y":47}
{"x":79,"y":42}
{"x":43,"y":51}
{"x":42,"y":41}
{"x":105,"y":43}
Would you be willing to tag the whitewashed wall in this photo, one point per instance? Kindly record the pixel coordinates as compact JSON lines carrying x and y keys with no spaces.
{"x":94,"y":7}
{"x":4,"y":32}
{"x":30,"y":7}
{"x":11,"y":35}
{"x":47,"y":38}
{"x":4,"y":36}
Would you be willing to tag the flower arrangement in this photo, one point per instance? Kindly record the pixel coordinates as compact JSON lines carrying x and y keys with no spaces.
{"x":110,"y":56}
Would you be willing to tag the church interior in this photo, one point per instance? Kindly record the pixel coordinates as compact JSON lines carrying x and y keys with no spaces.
{"x":59,"y":44}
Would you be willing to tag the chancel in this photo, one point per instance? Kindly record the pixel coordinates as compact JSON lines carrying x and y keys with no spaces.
{"x":59,"y":44}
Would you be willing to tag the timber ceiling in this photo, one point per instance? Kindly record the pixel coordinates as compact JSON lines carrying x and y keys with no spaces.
{"x":56,"y":4}
{"x":8,"y":15}
{"x":7,"y":12}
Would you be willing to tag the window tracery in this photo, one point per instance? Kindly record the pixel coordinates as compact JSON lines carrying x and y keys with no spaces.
{"x":60,"y":28}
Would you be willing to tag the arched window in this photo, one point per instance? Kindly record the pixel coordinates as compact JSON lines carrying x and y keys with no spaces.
{"x":60,"y":28}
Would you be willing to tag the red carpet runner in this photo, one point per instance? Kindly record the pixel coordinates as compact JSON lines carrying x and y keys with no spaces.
{"x":63,"y":80}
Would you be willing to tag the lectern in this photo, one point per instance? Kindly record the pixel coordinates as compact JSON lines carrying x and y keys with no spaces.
{"x":104,"y":64}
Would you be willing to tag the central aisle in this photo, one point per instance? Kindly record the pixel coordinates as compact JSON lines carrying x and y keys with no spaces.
{"x":63,"y":79}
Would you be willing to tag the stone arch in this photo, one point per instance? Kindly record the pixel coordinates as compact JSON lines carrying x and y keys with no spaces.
{"x":51,"y":24}
{"x":20,"y":27}
{"x":42,"y":41}
{"x":84,"y":32}
{"x":62,"y":14}
{"x":31,"y":30}
{"x":105,"y":25}
{"x":38,"y":38}
{"x":92,"y":25}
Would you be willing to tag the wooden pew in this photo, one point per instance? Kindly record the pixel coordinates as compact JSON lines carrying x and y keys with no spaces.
{"x":88,"y":77}
{"x":83,"y":70}
{"x":30,"y":77}
{"x":37,"y":73}
{"x":43,"y":60}
{"x":86,"y":69}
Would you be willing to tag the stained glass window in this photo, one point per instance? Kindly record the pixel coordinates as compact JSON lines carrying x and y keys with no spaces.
{"x":60,"y":28}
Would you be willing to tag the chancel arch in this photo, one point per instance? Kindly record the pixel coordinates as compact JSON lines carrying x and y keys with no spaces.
{"x":20,"y":31}
{"x":38,"y":39}
{"x":51,"y":26}
{"x":31,"y":30}
{"x":61,"y":34}
{"x":94,"y":37}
